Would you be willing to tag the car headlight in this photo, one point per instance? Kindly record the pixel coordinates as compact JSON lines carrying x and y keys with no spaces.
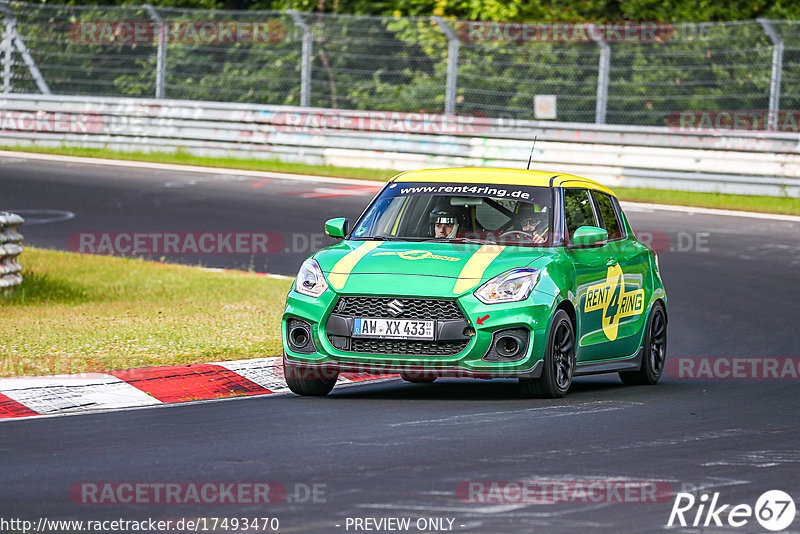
{"x":511,"y":286}
{"x":310,"y":280}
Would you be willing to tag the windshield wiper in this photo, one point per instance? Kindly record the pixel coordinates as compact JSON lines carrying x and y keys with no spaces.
{"x":386,"y":238}
{"x":461,"y":240}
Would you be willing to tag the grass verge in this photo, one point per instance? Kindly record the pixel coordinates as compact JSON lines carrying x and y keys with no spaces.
{"x":77,"y":313}
{"x":763,"y":204}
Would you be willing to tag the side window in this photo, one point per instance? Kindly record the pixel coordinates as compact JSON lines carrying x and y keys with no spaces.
{"x":577,"y":210}
{"x":610,"y":221}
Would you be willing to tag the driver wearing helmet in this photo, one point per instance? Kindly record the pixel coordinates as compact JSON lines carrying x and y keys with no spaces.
{"x":533,"y":222}
{"x":445,"y":223}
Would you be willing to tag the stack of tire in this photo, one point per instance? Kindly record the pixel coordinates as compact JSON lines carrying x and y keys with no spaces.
{"x":10,"y":249}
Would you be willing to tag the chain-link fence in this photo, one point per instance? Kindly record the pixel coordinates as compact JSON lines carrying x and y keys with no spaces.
{"x":622,"y":73}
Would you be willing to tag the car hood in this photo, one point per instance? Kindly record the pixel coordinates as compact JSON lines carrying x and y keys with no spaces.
{"x":407,"y":268}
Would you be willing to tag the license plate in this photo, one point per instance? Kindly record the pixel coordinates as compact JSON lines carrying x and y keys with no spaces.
{"x":392,"y":328}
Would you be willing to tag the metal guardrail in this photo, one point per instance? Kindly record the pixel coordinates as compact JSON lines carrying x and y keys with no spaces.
{"x":10,"y":249}
{"x":752,"y":163}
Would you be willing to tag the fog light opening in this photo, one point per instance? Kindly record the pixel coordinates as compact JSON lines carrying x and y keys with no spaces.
{"x":298,"y":336}
{"x":507,"y":346}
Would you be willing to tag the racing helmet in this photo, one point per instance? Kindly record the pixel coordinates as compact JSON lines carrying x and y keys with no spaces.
{"x":445,"y":216}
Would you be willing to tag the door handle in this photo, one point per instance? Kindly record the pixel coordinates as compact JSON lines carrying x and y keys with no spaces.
{"x":611,"y":262}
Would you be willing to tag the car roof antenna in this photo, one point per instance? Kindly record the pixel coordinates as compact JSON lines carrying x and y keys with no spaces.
{"x":531,"y":156}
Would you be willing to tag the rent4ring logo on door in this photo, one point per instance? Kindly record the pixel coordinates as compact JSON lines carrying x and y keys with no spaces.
{"x":615,"y":302}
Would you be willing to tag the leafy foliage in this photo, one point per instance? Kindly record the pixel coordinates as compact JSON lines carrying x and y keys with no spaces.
{"x":495,"y":10}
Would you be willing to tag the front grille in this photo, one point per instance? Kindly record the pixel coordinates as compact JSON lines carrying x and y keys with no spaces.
{"x":377,"y":307}
{"x":408,"y":348}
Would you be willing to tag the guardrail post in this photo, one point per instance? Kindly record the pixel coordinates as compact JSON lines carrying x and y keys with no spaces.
{"x":16,"y":42}
{"x":603,"y":67}
{"x":28,"y":59}
{"x":305,"y":63}
{"x":10,"y":249}
{"x":775,"y":77}
{"x":452,"y":66}
{"x":161,"y":50}
{"x":7,"y":47}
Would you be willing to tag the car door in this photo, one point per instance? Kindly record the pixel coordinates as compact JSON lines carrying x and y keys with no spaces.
{"x":633,"y":259}
{"x":593,"y":267}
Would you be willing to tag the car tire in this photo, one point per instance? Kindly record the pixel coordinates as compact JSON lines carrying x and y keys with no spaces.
{"x":559,"y":361}
{"x":418,"y":379}
{"x":307,"y":383}
{"x":654,"y":350}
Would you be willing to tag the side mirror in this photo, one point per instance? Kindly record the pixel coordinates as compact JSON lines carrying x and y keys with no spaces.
{"x":589,"y":236}
{"x":336,"y":228}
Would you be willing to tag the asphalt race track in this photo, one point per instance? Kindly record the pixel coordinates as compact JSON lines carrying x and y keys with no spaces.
{"x":397,"y":450}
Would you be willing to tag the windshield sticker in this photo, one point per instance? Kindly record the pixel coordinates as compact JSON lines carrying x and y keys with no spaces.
{"x":519,"y":193}
{"x":616,"y":303}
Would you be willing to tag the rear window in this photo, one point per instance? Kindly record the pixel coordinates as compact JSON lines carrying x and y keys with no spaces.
{"x":610,"y":220}
{"x":578,"y":210}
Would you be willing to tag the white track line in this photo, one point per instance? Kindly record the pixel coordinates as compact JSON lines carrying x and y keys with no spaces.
{"x":182,"y":168}
{"x":710,"y":211}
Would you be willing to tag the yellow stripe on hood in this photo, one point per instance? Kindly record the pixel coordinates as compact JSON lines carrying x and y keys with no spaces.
{"x":341,"y":271}
{"x":476,"y":266}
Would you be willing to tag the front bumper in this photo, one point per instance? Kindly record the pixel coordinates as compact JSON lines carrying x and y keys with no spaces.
{"x":532,"y":315}
{"x":333,"y":368}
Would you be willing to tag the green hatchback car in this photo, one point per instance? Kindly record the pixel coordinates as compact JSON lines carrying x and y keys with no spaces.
{"x":483,"y":273}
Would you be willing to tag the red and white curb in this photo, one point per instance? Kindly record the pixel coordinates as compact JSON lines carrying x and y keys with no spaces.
{"x":148,"y":386}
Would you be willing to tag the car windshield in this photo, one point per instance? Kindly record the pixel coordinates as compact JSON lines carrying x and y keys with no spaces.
{"x":464,"y":213}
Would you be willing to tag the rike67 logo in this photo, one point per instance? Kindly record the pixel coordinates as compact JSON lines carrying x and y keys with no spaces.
{"x":774,"y":510}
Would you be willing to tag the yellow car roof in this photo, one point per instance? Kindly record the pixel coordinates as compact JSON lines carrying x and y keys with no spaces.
{"x":489,"y":175}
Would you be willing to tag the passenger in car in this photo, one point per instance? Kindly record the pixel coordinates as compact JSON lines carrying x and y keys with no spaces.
{"x":446,"y":223}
